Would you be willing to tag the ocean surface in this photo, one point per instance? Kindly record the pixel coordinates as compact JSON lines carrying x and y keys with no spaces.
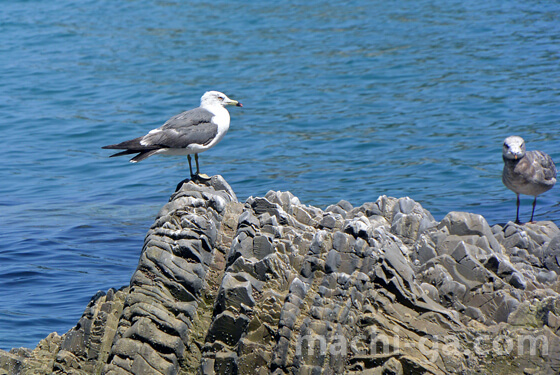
{"x":342,"y":100}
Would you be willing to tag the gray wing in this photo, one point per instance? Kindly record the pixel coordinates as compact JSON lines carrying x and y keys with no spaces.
{"x":542,"y":167}
{"x":190,"y":127}
{"x":549,"y":169}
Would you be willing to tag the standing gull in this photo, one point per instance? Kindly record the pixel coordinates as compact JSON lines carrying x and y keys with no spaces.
{"x":187,"y":133}
{"x":526,"y":172}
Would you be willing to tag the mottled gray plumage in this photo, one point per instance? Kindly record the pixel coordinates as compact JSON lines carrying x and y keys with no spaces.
{"x":194,"y":126}
{"x":526,"y":172}
{"x":187,"y":133}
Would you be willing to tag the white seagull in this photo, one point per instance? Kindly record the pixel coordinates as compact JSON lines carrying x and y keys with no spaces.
{"x":526,"y":172}
{"x":187,"y":133}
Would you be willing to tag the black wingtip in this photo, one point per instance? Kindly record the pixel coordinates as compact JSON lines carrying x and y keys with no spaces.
{"x":143,"y":155}
{"x":125,"y":152}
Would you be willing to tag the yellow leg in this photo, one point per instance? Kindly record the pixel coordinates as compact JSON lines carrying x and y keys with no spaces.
{"x":203,"y":176}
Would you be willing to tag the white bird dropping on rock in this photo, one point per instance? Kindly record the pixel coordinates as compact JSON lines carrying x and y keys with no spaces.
{"x":526,"y":172}
{"x":187,"y":133}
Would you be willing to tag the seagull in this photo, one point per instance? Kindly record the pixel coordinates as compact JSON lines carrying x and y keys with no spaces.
{"x":187,"y":133}
{"x":526,"y":172}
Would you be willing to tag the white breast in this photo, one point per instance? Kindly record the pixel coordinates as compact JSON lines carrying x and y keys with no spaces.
{"x":221,"y":118}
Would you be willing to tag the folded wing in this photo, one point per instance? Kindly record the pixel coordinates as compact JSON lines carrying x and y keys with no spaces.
{"x":180,"y":131}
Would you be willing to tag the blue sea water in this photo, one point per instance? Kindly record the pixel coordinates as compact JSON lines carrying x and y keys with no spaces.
{"x":342,"y":100}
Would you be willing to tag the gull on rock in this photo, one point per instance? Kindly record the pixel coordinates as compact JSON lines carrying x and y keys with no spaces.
{"x":526,"y":172}
{"x":187,"y":133}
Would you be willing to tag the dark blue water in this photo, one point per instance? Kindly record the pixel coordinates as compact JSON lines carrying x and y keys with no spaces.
{"x":342,"y":100}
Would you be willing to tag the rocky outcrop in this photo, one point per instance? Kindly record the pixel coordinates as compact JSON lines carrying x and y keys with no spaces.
{"x":272,"y":286}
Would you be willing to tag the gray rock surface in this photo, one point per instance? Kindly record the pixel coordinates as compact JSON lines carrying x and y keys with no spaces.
{"x":272,"y":286}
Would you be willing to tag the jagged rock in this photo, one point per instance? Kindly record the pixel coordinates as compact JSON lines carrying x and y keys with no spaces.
{"x":409,"y":219}
{"x":272,"y":286}
{"x":551,"y":254}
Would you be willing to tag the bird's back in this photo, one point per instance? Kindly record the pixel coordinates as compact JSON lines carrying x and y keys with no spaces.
{"x":188,"y":119}
{"x":533,"y":174}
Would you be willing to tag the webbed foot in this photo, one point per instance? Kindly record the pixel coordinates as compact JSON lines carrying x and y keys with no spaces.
{"x":200,"y":177}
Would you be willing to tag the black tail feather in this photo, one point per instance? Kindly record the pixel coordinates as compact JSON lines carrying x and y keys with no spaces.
{"x":133,"y":144}
{"x":126,"y":152}
{"x":142,"y":155}
{"x":133,"y":147}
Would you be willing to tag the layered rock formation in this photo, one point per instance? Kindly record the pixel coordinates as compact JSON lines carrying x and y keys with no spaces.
{"x":272,"y":286}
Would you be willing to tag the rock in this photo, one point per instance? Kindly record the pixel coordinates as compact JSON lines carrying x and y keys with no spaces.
{"x":235,"y":293}
{"x":547,"y":277}
{"x":272,"y":286}
{"x":467,"y":224}
{"x":551,"y":259}
{"x":410,"y":219}
{"x":227,"y":328}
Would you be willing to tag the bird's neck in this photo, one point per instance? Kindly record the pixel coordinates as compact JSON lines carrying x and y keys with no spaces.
{"x":216,"y":109}
{"x":511,"y":162}
{"x":221,"y":117}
